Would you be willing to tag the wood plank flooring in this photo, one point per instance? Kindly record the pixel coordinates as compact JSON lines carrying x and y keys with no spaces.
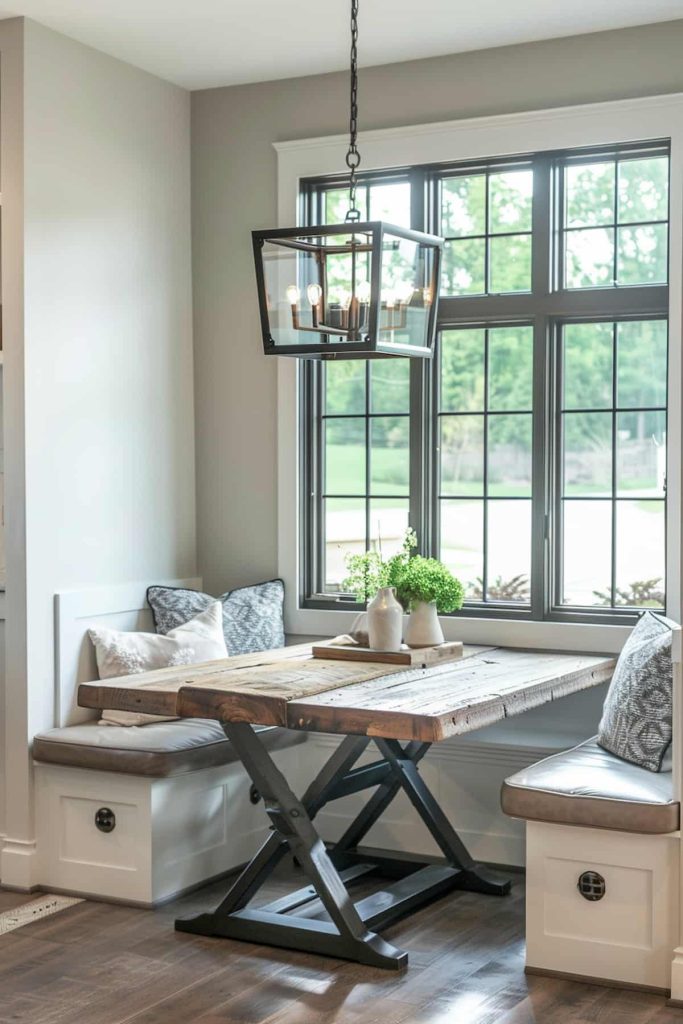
{"x":97,"y":963}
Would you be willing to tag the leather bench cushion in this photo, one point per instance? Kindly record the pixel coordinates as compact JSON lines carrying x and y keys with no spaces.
{"x":158,"y":750}
{"x":588,"y":786}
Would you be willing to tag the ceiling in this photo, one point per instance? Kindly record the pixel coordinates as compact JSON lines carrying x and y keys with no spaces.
{"x":206,"y":43}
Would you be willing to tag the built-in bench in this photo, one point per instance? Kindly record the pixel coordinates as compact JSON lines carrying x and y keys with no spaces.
{"x":143,"y":813}
{"x":138,"y":813}
{"x":589,"y":787}
{"x":155,"y":751}
{"x":603,"y":862}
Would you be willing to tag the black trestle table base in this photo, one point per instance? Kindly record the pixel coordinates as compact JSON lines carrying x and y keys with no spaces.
{"x":347,"y":930}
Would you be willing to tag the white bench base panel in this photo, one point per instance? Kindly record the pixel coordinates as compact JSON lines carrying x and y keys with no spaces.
{"x":628,"y":936}
{"x":171,"y":833}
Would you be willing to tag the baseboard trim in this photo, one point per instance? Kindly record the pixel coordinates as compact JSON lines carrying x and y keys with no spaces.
{"x":139,"y":904}
{"x":221,"y":876}
{"x":226,"y":876}
{"x":544,"y":972}
{"x":18,"y":860}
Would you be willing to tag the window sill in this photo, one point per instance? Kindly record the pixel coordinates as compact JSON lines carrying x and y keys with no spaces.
{"x":494,"y":632}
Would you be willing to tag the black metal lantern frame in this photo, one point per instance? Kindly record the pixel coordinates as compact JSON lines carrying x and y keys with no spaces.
{"x":354,"y":290}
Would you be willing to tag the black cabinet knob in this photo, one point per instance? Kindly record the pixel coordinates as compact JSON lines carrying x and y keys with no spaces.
{"x":105,"y":819}
{"x":591,"y":885}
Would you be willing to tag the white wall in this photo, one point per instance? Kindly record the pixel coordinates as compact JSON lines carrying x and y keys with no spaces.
{"x":106,"y":358}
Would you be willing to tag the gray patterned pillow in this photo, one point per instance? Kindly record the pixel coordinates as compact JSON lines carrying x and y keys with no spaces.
{"x":252,"y":616}
{"x":637,"y":713}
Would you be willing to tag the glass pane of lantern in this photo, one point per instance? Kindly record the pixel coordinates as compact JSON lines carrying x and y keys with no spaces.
{"x":288,"y":274}
{"x":406,"y":290}
{"x":345,"y":273}
{"x":308,"y":288}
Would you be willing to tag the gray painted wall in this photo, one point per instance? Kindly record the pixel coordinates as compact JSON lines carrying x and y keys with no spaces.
{"x":98,"y":356}
{"x":108,"y":325}
{"x":234,"y":190}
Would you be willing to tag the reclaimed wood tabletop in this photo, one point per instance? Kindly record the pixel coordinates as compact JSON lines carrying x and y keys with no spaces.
{"x":290,"y":688}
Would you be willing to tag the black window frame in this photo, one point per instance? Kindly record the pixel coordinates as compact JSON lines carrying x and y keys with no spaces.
{"x":547,"y":306}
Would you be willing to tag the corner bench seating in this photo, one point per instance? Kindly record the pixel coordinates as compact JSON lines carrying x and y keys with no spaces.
{"x":590,"y":787}
{"x":596,"y":820}
{"x":183,"y":806}
{"x":157,"y":750}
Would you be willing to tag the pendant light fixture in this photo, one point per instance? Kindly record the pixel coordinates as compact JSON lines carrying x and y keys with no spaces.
{"x":360,"y":289}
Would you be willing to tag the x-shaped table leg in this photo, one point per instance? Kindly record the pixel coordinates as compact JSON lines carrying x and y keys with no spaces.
{"x":349,"y":931}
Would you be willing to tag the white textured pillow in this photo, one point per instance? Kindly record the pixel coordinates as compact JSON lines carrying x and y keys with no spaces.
{"x":124,"y":654}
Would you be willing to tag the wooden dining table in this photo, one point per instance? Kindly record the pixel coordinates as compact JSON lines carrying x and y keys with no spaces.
{"x":402,"y":712}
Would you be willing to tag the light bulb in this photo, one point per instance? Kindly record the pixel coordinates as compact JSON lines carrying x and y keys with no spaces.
{"x":314,"y":293}
{"x":404,"y":291}
{"x":292,"y":294}
{"x":363,"y":291}
{"x":344,"y":298}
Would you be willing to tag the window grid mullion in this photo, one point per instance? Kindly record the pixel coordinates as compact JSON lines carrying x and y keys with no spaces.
{"x":558,"y":447}
{"x":485,"y":504}
{"x":541,"y":281}
{"x":318,"y":460}
{"x":371,"y":415}
{"x":435,"y":460}
{"x":615,"y":233}
{"x":613,"y":566}
{"x":511,"y":234}
{"x":419,"y":493}
{"x":487,"y":229}
{"x":635,"y":301}
{"x":433,"y":454}
{"x":316,"y":486}
{"x":368,"y":452}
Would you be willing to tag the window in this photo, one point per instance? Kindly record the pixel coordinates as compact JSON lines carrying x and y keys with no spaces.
{"x":612,"y":413}
{"x":530,"y":454}
{"x":365,"y":440}
{"x":485,"y":458}
{"x":486,"y":223}
{"x":615,"y":221}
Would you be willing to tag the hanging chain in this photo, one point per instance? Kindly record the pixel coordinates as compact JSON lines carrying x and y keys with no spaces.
{"x":353,"y":156}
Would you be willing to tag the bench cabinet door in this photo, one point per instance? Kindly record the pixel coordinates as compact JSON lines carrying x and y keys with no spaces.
{"x":602,"y":904}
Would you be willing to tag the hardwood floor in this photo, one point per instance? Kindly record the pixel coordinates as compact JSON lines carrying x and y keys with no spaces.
{"x":12,"y":900}
{"x":102,"y":964}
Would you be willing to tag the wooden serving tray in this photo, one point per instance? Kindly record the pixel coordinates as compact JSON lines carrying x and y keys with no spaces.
{"x":417,"y":657}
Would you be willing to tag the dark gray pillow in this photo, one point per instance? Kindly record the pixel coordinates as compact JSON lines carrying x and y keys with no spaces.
{"x":637,"y":713}
{"x":252,"y":616}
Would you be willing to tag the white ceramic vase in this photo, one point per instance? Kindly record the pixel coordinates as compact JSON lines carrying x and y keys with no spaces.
{"x":385,"y":621}
{"x":424,"y":628}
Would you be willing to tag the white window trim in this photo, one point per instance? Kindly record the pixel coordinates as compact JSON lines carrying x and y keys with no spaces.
{"x":596,"y":124}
